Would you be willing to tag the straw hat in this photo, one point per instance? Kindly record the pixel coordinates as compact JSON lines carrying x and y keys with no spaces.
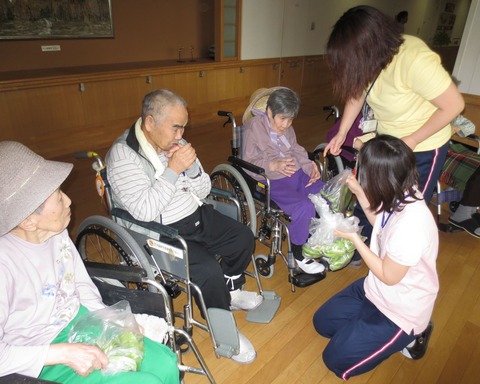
{"x":258,"y":102}
{"x":26,"y":181}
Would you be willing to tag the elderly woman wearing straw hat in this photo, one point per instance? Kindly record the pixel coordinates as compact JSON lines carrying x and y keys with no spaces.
{"x":270,"y":142}
{"x":44,"y":286}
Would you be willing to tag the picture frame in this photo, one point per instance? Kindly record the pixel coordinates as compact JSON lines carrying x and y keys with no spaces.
{"x":450,"y":7}
{"x":59,"y":19}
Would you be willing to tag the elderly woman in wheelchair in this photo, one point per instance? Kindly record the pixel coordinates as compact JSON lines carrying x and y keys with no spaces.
{"x":269,"y":142}
{"x":44,"y":287}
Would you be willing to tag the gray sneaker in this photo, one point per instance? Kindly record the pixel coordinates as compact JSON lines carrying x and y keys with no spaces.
{"x":244,"y":300}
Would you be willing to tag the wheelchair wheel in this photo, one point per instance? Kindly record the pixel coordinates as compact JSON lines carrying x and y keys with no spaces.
{"x":333,"y":164}
{"x":226,"y":177}
{"x":102,"y":240}
{"x":261,"y":262}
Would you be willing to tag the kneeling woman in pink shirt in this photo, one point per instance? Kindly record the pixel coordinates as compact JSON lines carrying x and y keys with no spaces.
{"x":389,"y":310}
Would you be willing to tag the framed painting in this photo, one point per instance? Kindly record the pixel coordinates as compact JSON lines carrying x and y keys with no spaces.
{"x":55,"y":19}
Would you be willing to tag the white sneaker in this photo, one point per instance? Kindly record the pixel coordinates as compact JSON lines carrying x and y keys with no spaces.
{"x":244,"y":300}
{"x":247,"y":352}
{"x":310,"y":266}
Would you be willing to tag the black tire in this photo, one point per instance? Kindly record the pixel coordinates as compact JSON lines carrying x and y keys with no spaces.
{"x":261,"y":262}
{"x":226,"y":177}
{"x":101,"y":239}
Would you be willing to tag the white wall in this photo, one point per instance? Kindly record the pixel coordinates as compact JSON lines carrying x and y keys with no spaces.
{"x":467,"y":66}
{"x":262,"y":29}
{"x":282,"y":28}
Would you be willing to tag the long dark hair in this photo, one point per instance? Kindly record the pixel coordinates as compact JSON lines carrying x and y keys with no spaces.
{"x":362,"y":43}
{"x":387,"y":173}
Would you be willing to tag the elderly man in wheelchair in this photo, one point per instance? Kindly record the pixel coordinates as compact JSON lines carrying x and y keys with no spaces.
{"x":155,"y":175}
{"x":44,"y":286}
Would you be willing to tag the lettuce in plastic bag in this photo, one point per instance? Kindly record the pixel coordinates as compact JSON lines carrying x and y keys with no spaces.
{"x":323,"y":243}
{"x":115,"y":331}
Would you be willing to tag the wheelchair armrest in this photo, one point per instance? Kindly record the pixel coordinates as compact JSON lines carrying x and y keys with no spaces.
{"x":246,"y":165}
{"x":162,"y":229}
{"x":221,"y":193}
{"x":115,"y":271}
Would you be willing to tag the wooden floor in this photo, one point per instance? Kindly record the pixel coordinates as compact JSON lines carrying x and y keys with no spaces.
{"x":289,"y":350}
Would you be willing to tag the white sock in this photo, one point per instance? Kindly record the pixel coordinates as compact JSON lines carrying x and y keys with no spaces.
{"x":411,"y":344}
{"x":463,"y":212}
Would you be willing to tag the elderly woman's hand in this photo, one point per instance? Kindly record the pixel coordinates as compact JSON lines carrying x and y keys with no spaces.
{"x":285,"y":166}
{"x":314,"y":175}
{"x":82,"y":358}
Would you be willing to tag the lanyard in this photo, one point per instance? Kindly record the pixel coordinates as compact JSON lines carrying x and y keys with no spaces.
{"x":366,"y":107}
{"x":385,"y":220}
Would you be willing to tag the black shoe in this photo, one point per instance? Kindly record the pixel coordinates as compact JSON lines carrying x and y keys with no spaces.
{"x":306,"y":265}
{"x":417,"y":350}
{"x":469,"y":225}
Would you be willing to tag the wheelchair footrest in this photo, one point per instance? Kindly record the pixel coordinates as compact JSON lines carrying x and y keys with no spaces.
{"x":224,"y":331}
{"x":303,"y":280}
{"x":265,"y":312}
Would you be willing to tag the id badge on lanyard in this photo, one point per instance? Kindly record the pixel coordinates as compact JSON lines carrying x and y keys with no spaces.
{"x":368,"y":123}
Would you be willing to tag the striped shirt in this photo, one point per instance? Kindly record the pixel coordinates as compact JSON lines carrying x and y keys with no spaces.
{"x":135,"y":189}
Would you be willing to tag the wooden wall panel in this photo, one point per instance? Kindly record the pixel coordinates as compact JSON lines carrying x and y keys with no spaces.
{"x":292,"y":73}
{"x":252,"y":77}
{"x":111,"y":100}
{"x":39,"y":116}
{"x":472,"y":109}
{"x":59,"y":115}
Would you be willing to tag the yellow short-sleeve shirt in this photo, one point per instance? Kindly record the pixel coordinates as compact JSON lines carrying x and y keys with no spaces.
{"x":400,"y":96}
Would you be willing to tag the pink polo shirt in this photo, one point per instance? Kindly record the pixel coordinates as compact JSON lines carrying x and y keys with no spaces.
{"x":409,"y":237}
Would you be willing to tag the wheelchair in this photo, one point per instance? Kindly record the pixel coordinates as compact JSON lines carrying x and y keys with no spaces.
{"x":113,"y":280}
{"x":462,"y":161}
{"x":331,"y":165}
{"x":163,"y":256}
{"x":266,"y":220}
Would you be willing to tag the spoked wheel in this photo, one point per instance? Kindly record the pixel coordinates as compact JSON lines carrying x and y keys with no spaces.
{"x":102,"y":240}
{"x":261,"y":262}
{"x":227,"y":178}
{"x":329,"y":166}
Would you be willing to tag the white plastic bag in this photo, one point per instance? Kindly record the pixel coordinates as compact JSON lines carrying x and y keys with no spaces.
{"x":323,"y":243}
{"x":337,"y":193}
{"x":115,"y":331}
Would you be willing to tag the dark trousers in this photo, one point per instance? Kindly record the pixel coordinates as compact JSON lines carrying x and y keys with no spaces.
{"x":471,"y":194}
{"x":211,"y":236}
{"x":361,"y":336}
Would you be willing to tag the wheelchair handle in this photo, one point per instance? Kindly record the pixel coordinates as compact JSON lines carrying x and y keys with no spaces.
{"x":89,"y":155}
{"x":85,"y":154}
{"x":229,"y":115}
{"x":334,"y":111}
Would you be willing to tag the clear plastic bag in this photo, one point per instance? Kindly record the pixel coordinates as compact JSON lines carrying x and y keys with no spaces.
{"x":337,"y":193}
{"x":115,"y":331}
{"x":323,"y":243}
